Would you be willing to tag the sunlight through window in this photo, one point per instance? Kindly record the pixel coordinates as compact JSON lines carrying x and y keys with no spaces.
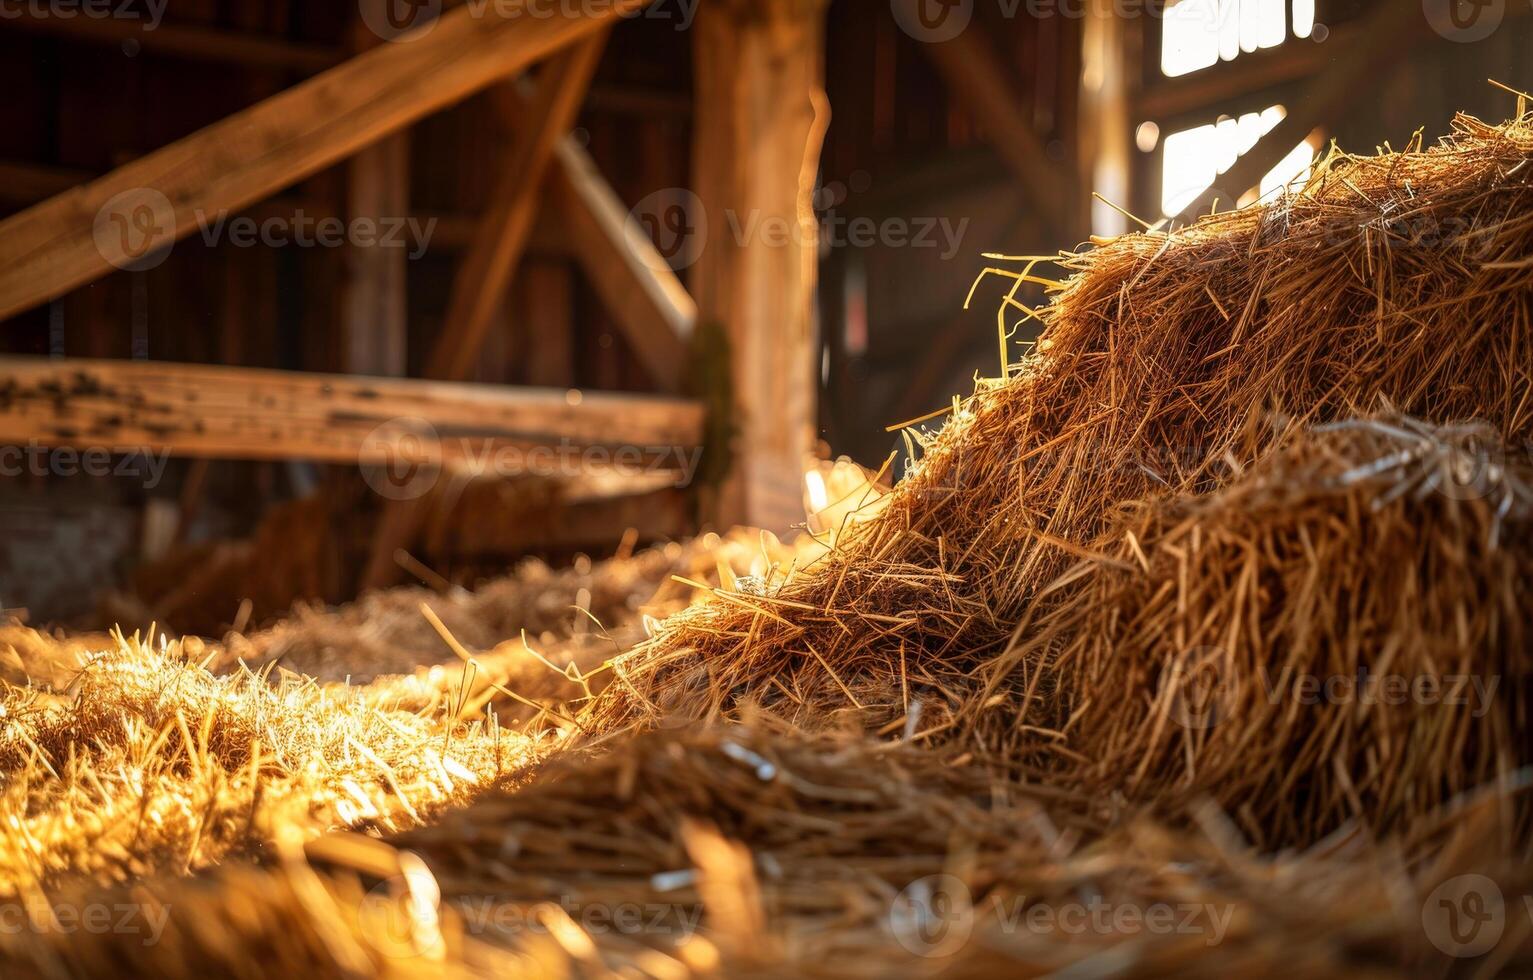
{"x":1194,"y":158}
{"x":1198,"y":34}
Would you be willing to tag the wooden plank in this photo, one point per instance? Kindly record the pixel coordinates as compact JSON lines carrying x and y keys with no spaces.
{"x":976,"y":75}
{"x":1364,"y":68}
{"x":140,"y":208}
{"x":759,"y":126}
{"x":485,"y":271}
{"x":632,"y":279}
{"x":245,"y":413}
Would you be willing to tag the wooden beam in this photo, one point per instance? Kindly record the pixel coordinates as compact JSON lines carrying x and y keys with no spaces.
{"x":651,"y":306}
{"x":246,"y":413}
{"x":1366,"y":64}
{"x":143,"y":207}
{"x":181,"y":40}
{"x":479,"y":288}
{"x":759,"y":126}
{"x":976,"y":75}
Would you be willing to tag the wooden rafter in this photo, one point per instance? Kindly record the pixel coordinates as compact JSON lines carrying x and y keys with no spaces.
{"x":485,"y":270}
{"x":55,"y":246}
{"x":246,"y":413}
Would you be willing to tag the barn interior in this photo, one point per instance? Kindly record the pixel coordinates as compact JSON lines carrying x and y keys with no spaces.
{"x":666,"y":488}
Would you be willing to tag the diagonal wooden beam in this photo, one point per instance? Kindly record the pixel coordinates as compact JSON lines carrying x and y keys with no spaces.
{"x":1355,"y":72}
{"x":971,"y":69}
{"x":143,"y":207}
{"x":486,"y":269}
{"x":653,"y":309}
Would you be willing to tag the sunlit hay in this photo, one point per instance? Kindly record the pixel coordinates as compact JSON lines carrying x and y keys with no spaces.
{"x":600,"y":604}
{"x":1168,"y":364}
{"x":746,"y":852}
{"x":153,"y":764}
{"x":1344,"y":632}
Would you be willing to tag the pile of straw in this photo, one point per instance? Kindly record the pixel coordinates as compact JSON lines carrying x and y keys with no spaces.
{"x":147,"y":763}
{"x":1170,"y":364}
{"x":749,"y":852}
{"x":1068,"y":664}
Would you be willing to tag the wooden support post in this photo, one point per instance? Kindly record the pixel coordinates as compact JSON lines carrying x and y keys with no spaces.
{"x":374,"y":299}
{"x":760,"y":121}
{"x":485,"y":271}
{"x":160,"y":198}
{"x":1106,"y":154}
